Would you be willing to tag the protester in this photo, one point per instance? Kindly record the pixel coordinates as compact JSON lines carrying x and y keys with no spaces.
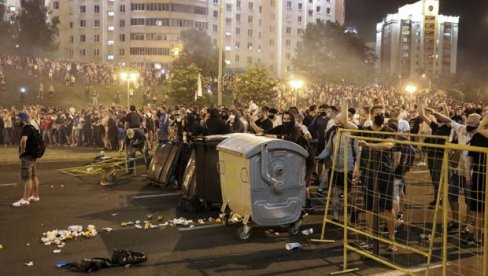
{"x":28,"y":158}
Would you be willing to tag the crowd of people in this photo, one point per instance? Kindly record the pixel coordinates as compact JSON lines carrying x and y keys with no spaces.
{"x":329,"y":107}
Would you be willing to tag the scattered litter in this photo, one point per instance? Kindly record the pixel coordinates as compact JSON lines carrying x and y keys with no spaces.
{"x":62,"y":186}
{"x":57,"y":251}
{"x":75,"y":228}
{"x":307,"y":232}
{"x":114,"y":214}
{"x":127,"y":266}
{"x":31,"y":263}
{"x":138,"y":226}
{"x":1,"y":247}
{"x":160,"y":218}
{"x":28,"y":244}
{"x":211,"y":219}
{"x":293,"y":246}
{"x":61,"y":264}
{"x":149,"y":216}
{"x":201,"y":221}
{"x":218,"y":220}
{"x":52,"y":186}
{"x":124,"y":224}
{"x":58,"y":237}
{"x":191,"y":226}
{"x":108,"y":229}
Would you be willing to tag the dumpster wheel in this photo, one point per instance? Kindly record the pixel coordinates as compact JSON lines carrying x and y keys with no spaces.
{"x":294,"y":228}
{"x":244,"y":232}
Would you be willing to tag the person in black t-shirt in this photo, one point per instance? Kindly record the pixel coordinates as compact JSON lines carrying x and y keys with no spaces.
{"x":377,"y":173}
{"x":27,"y":161}
{"x":435,"y":155}
{"x":263,"y":122}
{"x":475,"y":174}
{"x":133,"y":119}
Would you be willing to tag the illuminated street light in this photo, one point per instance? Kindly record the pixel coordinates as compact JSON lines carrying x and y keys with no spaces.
{"x":296,"y":85}
{"x":411,"y":89}
{"x":129,"y":77}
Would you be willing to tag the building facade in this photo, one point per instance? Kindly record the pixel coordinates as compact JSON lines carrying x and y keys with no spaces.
{"x":263,"y":32}
{"x":417,"y":41}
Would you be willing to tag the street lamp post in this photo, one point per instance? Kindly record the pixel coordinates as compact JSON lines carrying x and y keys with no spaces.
{"x":411,"y":89}
{"x":296,"y":85}
{"x":129,"y":77}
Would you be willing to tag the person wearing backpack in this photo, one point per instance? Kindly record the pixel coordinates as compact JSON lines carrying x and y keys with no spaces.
{"x":31,"y":147}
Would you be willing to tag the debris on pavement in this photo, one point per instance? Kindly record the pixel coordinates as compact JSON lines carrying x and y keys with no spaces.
{"x":124,"y":258}
{"x":61,"y":264}
{"x":31,"y":263}
{"x":57,"y":251}
{"x":293,"y":246}
{"x":58,"y":237}
{"x":307,"y":232}
{"x":1,"y":247}
{"x":107,"y":229}
{"x":114,"y":214}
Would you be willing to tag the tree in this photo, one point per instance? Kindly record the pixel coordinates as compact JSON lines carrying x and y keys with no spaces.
{"x":36,"y":34}
{"x":198,"y":49}
{"x":327,"y":53}
{"x":184,"y":83}
{"x":255,"y":85}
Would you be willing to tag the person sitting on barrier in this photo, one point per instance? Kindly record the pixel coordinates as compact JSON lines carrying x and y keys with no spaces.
{"x":336,"y":174}
{"x":377,"y":176}
{"x":435,"y":155}
{"x":457,"y":162}
{"x":136,"y":141}
{"x":475,"y":174}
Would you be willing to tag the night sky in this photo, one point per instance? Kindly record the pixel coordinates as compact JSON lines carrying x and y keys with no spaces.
{"x":473,"y":29}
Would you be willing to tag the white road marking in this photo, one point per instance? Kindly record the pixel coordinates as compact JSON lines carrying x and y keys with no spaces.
{"x":158,"y":195}
{"x":8,"y":184}
{"x":200,"y":227}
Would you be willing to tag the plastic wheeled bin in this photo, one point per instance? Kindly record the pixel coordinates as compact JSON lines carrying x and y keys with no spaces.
{"x":263,"y":181}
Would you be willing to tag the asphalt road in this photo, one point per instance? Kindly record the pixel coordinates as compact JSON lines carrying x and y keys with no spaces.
{"x":67,"y":200}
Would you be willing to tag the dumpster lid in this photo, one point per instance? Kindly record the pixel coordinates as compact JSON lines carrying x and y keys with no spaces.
{"x":248,"y":145}
{"x":216,"y":138}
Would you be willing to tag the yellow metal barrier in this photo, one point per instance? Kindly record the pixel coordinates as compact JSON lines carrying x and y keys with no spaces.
{"x":469,"y":260}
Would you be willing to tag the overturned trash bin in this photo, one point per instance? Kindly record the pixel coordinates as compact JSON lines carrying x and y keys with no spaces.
{"x":201,"y":185}
{"x":263,"y":181}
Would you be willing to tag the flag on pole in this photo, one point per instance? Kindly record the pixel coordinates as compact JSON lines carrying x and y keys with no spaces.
{"x":198,"y":92}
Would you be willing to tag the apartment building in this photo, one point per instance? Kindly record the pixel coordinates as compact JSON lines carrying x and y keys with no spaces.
{"x":417,"y":41}
{"x":263,"y":32}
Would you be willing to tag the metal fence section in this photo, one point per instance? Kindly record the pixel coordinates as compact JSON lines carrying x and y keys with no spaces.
{"x":400,"y":211}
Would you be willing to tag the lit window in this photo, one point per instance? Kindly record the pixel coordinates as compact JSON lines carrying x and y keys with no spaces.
{"x":111,"y":13}
{"x":111,"y":28}
{"x":110,"y":57}
{"x":110,"y":42}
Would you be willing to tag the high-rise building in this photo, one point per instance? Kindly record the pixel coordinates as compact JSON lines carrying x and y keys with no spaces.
{"x":263,"y":32}
{"x":417,"y":40}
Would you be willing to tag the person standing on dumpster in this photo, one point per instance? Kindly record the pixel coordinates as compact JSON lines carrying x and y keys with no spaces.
{"x":135,"y":140}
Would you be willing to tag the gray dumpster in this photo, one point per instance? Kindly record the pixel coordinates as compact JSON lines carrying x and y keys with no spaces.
{"x":263,"y":180}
